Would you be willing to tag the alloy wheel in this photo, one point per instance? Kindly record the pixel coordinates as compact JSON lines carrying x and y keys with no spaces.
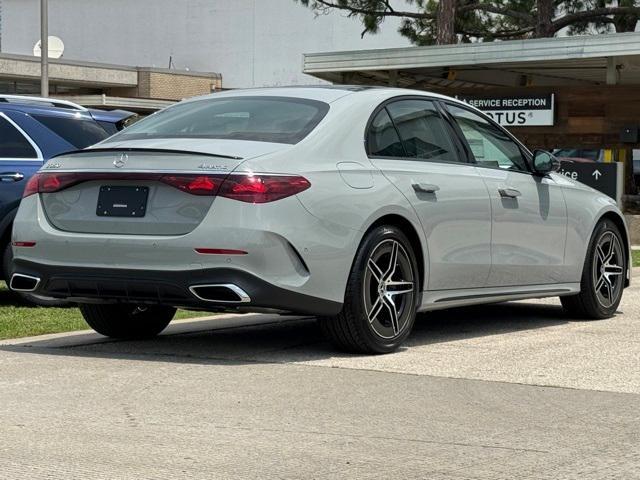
{"x":389,"y":289}
{"x":608,"y":269}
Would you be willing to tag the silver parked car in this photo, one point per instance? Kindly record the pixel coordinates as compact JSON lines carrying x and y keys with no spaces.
{"x":359,"y":205}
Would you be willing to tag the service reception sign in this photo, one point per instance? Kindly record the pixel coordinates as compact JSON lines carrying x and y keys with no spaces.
{"x":516,"y":111}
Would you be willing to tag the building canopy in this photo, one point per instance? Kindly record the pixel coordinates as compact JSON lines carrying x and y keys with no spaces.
{"x":612,"y":59}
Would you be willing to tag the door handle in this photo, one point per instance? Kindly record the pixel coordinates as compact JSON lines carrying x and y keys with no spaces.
{"x":425,"y":187}
{"x":508,"y":192}
{"x":11,"y":176}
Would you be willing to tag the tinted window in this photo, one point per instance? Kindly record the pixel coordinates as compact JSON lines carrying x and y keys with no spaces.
{"x":262,"y":119}
{"x":588,"y":154}
{"x":79,"y":132}
{"x":108,"y":127}
{"x":13,"y":144}
{"x":383,"y":138}
{"x":423,"y":131}
{"x":490,"y":145}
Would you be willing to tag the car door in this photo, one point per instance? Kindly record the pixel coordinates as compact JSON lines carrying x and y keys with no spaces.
{"x":19,"y":159}
{"x":415,"y":147}
{"x":529,"y":214}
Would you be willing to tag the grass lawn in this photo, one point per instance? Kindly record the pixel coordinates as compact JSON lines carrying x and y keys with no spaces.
{"x":19,"y":320}
{"x":636,"y":258}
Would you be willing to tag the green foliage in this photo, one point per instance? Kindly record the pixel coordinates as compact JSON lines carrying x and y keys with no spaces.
{"x":487,"y":20}
{"x":18,"y":319}
{"x":607,"y":24}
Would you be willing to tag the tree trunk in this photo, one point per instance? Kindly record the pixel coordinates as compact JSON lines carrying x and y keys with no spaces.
{"x":625,"y":23}
{"x":546,"y":11}
{"x":445,"y":25}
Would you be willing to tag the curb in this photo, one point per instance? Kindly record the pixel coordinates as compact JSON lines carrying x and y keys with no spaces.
{"x":176,"y":327}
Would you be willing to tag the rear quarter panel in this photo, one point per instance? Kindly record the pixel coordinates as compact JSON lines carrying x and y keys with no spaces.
{"x":348,"y":193}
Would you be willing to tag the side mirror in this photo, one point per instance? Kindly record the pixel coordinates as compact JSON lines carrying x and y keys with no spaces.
{"x":545,"y":162}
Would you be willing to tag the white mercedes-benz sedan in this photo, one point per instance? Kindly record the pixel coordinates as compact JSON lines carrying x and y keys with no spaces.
{"x":361,"y":206}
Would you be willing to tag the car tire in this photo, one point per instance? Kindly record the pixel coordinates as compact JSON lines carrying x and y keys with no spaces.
{"x":125,"y":321}
{"x":603,"y":275}
{"x":381,"y":296}
{"x":28,"y":298}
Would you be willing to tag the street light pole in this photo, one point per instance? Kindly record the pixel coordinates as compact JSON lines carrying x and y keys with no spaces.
{"x":44,"y":48}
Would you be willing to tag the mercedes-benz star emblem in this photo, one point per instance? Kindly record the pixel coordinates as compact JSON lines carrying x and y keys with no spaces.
{"x":121,"y":161}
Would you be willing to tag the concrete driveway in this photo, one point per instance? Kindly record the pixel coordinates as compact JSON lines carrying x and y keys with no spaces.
{"x":515,"y":390}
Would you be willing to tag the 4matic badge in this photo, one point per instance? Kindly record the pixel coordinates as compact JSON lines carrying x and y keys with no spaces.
{"x":211,"y":166}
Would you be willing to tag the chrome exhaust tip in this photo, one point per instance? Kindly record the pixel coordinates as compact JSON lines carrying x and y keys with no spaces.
{"x":23,"y":283}
{"x":220,"y":293}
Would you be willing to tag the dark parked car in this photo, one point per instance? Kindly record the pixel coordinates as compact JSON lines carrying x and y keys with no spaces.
{"x":33,"y":130}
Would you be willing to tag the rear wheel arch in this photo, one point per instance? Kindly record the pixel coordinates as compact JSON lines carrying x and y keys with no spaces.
{"x":411,"y":232}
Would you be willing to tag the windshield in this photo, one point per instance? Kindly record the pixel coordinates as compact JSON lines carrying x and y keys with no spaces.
{"x":260,"y":119}
{"x":588,"y":154}
{"x":78,"y":132}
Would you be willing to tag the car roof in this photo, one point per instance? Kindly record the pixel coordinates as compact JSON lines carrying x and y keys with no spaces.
{"x":37,"y":109}
{"x":57,"y":109}
{"x":326,"y":93}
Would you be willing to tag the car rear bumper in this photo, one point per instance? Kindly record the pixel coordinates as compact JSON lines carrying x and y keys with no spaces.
{"x":212,"y":289}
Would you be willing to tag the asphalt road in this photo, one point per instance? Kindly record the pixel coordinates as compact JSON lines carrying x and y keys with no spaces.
{"x":510,"y":391}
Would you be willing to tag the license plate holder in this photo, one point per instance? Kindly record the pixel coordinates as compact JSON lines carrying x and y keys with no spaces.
{"x":122,"y":201}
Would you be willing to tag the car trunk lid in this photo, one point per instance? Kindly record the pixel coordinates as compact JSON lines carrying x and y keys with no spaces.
{"x":135,"y":191}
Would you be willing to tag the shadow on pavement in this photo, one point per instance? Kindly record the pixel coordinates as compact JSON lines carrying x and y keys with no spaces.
{"x":275,"y":339}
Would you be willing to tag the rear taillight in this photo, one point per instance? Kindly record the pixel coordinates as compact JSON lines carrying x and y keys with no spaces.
{"x":262,"y":188}
{"x":195,"y":185}
{"x":245,"y":188}
{"x":31,"y":187}
{"x":48,"y":182}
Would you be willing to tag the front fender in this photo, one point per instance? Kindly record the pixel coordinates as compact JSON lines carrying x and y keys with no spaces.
{"x":614,"y":212}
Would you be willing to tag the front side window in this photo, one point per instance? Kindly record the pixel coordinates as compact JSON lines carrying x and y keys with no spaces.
{"x":79,"y":132}
{"x":422,"y":130}
{"x":260,"y":119}
{"x":490,"y":145}
{"x":13,"y":144}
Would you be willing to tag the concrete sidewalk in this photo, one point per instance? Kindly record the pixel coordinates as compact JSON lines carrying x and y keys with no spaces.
{"x":515,"y":390}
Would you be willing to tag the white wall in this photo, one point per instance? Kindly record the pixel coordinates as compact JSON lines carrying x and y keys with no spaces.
{"x":251,"y":42}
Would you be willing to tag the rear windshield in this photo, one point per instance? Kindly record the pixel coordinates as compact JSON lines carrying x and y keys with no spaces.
{"x":260,"y":119}
{"x":78,"y":132}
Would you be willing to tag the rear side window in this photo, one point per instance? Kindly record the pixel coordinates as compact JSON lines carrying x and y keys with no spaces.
{"x":79,"y":132}
{"x":383,"y":138}
{"x":422,"y":130}
{"x":260,"y":119}
{"x":13,"y":144}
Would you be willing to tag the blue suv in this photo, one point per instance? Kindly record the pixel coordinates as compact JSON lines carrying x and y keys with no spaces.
{"x":33,"y":130}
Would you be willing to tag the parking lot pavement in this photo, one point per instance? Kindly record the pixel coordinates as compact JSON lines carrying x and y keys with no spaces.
{"x":515,"y":390}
